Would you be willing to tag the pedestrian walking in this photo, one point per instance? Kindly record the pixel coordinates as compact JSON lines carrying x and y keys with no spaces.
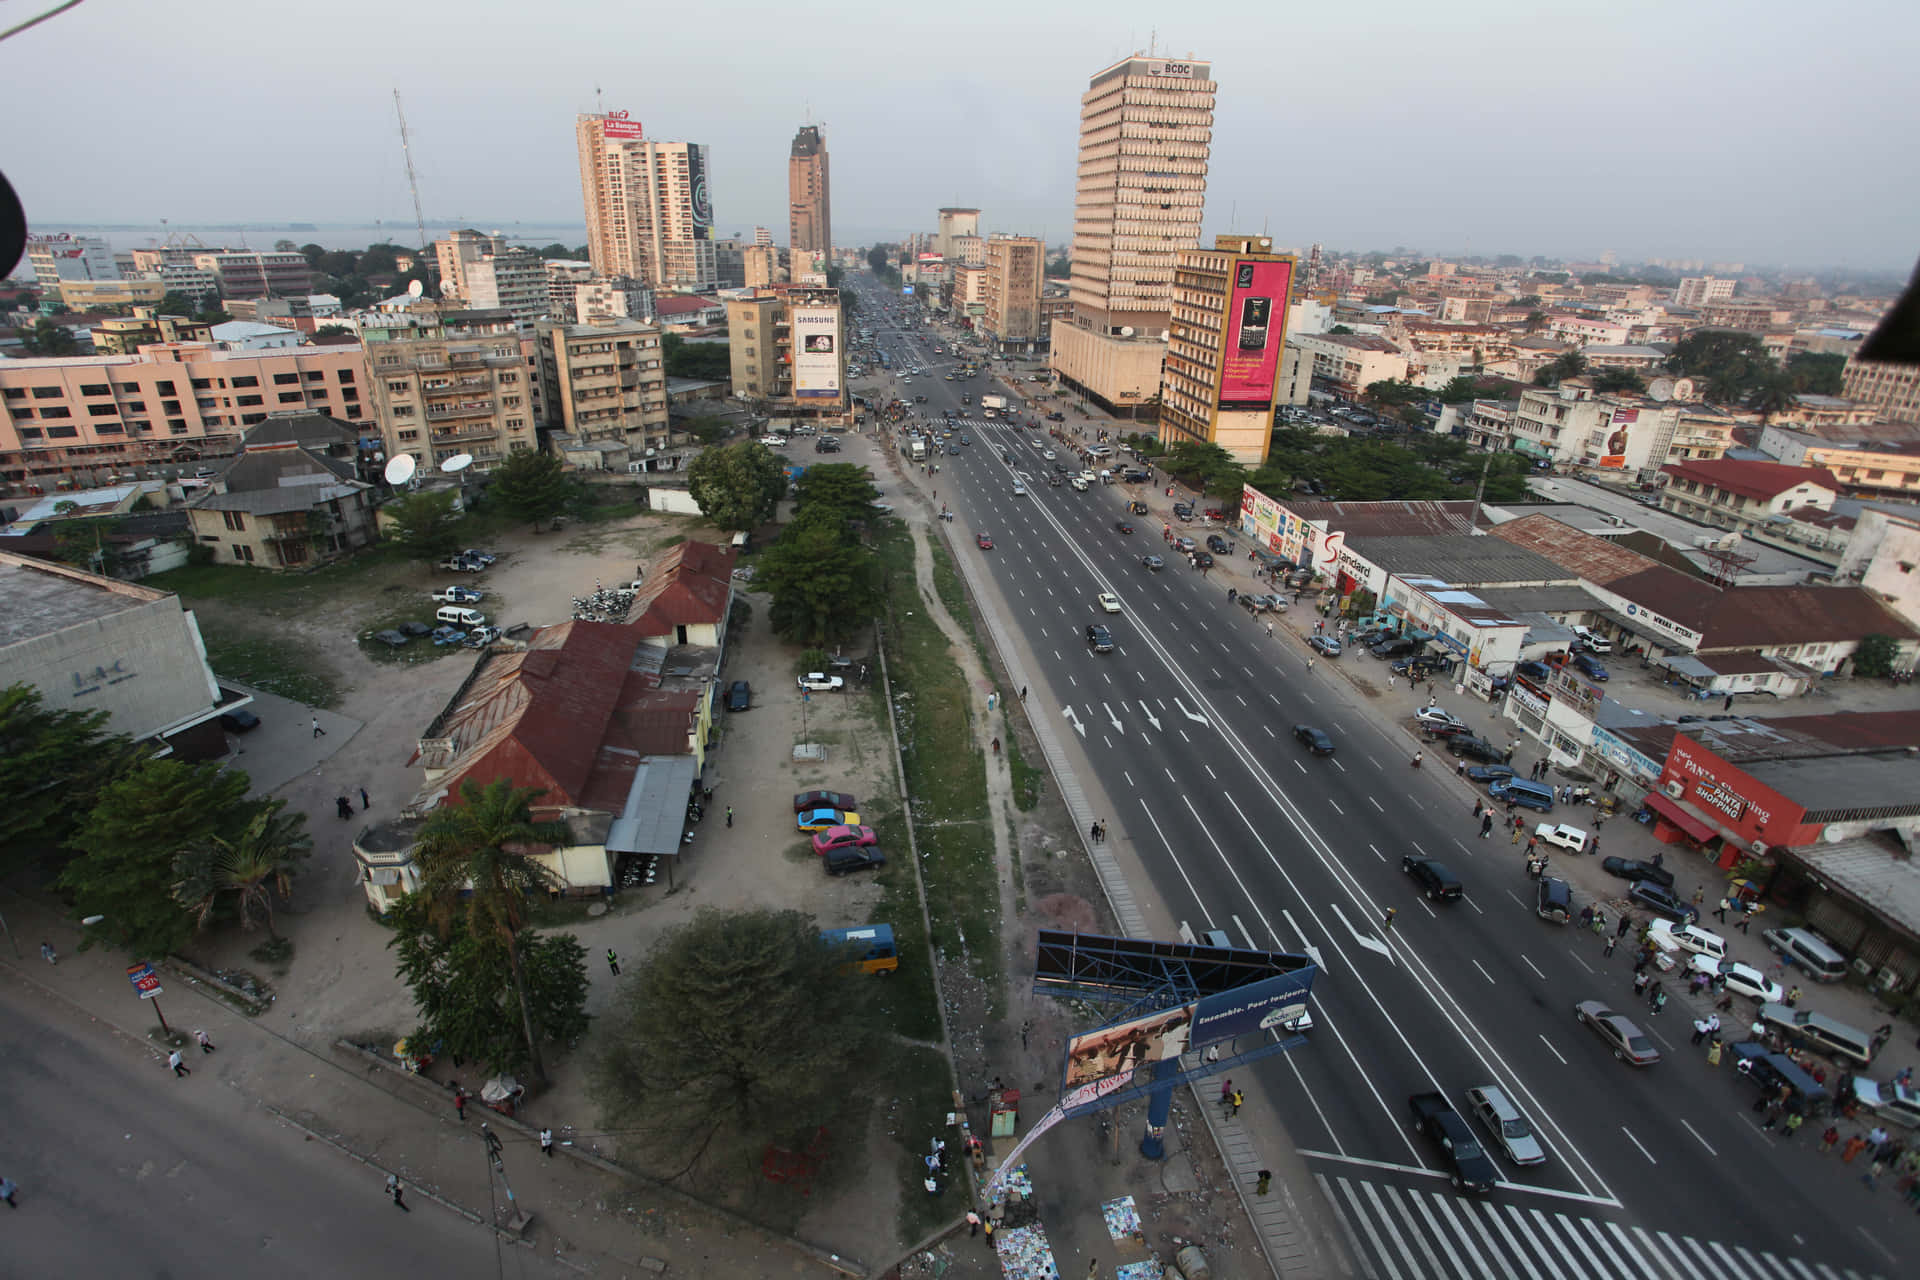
{"x":1792,"y":1124}
{"x":343,"y":807}
{"x":1793,"y":996}
{"x":1309,"y":666}
{"x":1775,"y":1108}
{"x":1720,"y":912}
{"x":1659,"y":1000}
{"x":1830,"y":1139}
{"x":1387,"y":920}
{"x":973,"y":1223}
{"x":1486,"y":824}
{"x":460,"y":1102}
{"x":987,"y":1227}
{"x":206,"y":1042}
{"x":1460,"y":768}
{"x":1855,"y":1145}
{"x":1390,"y":679}
{"x":1699,"y":1031}
{"x":179,"y":1065}
{"x":1269,"y":631}
{"x":546,"y":1143}
{"x":1640,"y":981}
{"x":1699,"y":896}
{"x":395,"y":1191}
{"x":1262,"y":1181}
{"x":47,"y":953}
{"x":1620,"y":930}
{"x":729,"y":817}
{"x":7,"y":1189}
{"x":1745,"y":921}
{"x":1612,"y":942}
{"x":365,"y":803}
{"x":1226,"y":1091}
{"x":613,"y":962}
{"x":1023,"y":693}
{"x":318,"y":732}
{"x":1713,"y":1052}
{"x":1478,"y":807}
{"x":1233,"y":1104}
{"x":1516,"y":834}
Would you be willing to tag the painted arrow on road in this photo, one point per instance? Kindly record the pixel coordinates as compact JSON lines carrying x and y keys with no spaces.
{"x":1152,"y":719}
{"x":1366,"y":940}
{"x":1112,"y":719}
{"x":1191,"y":715}
{"x":1074,"y":720}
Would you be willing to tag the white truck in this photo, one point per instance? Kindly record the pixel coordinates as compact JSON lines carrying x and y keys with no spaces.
{"x":993,"y":402}
{"x":917,"y":449}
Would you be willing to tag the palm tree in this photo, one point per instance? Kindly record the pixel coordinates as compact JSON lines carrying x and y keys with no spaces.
{"x":1773,"y":394}
{"x":250,"y":866}
{"x":474,"y":859}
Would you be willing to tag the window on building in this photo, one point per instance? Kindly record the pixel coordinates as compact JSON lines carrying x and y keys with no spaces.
{"x":396,"y":388}
{"x":177,"y":426}
{"x":243,"y":553}
{"x":95,"y":389}
{"x":47,"y":393}
{"x":107,"y":429}
{"x":203,"y":384}
{"x":247,"y":400}
{"x":246,"y":380}
{"x":285,"y":379}
{"x":128,"y":387}
{"x":316,"y":375}
{"x":293,"y":397}
{"x":248,"y":419}
{"x":236,"y":521}
{"x":164,"y":388}
{"x":103,"y":410}
{"x":56,"y":411}
{"x":63,"y":433}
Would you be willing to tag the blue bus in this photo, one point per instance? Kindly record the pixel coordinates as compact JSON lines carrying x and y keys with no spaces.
{"x":869,"y":947}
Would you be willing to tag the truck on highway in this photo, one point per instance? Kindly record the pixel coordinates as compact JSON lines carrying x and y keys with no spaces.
{"x":1471,"y":1167}
{"x":993,"y":402}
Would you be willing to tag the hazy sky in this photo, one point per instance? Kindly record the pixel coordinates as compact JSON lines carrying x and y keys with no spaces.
{"x":1762,"y":131}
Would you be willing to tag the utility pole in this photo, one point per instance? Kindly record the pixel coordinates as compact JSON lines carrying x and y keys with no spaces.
{"x":413,"y":183}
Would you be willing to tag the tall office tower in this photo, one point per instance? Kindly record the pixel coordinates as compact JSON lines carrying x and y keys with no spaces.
{"x":648,"y":211}
{"x":1146,"y":130}
{"x":1226,"y":339}
{"x":955,"y":223}
{"x":809,"y":207}
{"x":1012,"y":283}
{"x":762,"y":236}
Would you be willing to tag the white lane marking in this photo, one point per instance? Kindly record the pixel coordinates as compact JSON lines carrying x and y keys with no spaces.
{"x":1582,"y":963}
{"x":1152,"y":719}
{"x":1375,"y":803}
{"x":1336,"y":808}
{"x":1366,"y":1224}
{"x":1702,"y":1141}
{"x":1445,"y":1205}
{"x":1308,"y":1092}
{"x":1112,"y":719}
{"x":1483,"y":973}
{"x":1366,"y":940}
{"x":1482,"y":1210}
{"x":1605,"y":1246}
{"x":1377,"y":853}
{"x":1518,"y":903}
{"x":1420,"y":1202}
{"x":1550,"y":1049}
{"x":1657,"y":1254}
{"x":1579,"y":1242}
{"x":1373,"y":762}
{"x":1074,"y":720}
{"x":1270,"y":732}
{"x":1636,"y":1142}
{"x":1191,"y":715}
{"x":1536,"y":968}
{"x":1392,"y":1225}
{"x":1306,"y":948}
{"x":1553,"y":1238}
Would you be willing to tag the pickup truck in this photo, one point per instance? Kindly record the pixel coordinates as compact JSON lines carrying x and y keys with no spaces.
{"x":1472,"y":1169}
{"x":459,"y":595}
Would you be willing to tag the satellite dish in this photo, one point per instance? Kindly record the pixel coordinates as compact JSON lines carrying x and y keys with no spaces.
{"x":457,"y":463}
{"x":1660,"y":389}
{"x":399,"y":469}
{"x":415,"y":288}
{"x":1126,"y":331}
{"x":1683,"y":389}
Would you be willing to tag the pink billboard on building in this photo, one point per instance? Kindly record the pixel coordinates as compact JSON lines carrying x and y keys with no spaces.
{"x":617,"y":125}
{"x":1256,"y":329}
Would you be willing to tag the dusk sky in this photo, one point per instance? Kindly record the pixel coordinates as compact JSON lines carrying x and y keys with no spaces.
{"x":1763,"y":132}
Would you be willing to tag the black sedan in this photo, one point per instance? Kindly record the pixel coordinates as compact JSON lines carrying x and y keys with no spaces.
{"x":824,"y":800}
{"x":1216,"y":544}
{"x":1465,"y":744}
{"x":739,"y":696}
{"x":1314,"y":740}
{"x":241,"y":720}
{"x":1490,"y":772}
{"x":1635,"y":869}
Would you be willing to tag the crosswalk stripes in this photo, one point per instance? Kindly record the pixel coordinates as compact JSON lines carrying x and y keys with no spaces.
{"x":1411,"y":1233}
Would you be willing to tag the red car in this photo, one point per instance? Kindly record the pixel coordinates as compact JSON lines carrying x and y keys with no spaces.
{"x":986,"y":543}
{"x":842,"y":838}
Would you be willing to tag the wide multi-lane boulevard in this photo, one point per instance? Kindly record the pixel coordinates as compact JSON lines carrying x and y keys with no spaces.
{"x":1186,"y":730}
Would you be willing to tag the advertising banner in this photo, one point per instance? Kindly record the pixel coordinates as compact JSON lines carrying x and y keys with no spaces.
{"x":1256,"y":324}
{"x":1117,"y":1051}
{"x":1619,"y":431}
{"x":620,"y":128}
{"x":816,"y":352}
{"x":1259,"y":1007}
{"x":702,"y":202}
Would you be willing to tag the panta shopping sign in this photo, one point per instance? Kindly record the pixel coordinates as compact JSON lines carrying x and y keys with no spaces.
{"x":816,"y":356}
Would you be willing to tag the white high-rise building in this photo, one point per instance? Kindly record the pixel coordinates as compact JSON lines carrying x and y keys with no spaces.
{"x":649,"y":215}
{"x":64,"y":257}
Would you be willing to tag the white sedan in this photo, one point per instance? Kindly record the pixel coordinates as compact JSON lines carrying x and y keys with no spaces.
{"x":1048,"y":454}
{"x":1109,"y":602}
{"x":1742,"y":979}
{"x":820,"y":682}
{"x":1435,"y":717}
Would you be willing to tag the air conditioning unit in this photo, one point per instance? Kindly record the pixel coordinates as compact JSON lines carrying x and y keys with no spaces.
{"x":1675,"y":789}
{"x":1760,"y":849}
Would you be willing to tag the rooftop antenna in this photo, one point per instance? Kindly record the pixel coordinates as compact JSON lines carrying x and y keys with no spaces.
{"x":599,"y":102}
{"x":1153,"y":40}
{"x":413,"y":184}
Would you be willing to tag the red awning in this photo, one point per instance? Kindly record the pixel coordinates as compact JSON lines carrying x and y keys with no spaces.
{"x":1679,"y":817}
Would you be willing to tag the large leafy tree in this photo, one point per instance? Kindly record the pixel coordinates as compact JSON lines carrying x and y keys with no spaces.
{"x":738,"y":486}
{"x":1772,"y":393}
{"x":47,"y":339}
{"x":125,"y":868}
{"x":823,"y":586}
{"x":844,"y":489}
{"x":705,"y":360}
{"x":52,"y":767}
{"x":1874,"y":655}
{"x":423,"y":525}
{"x":1568,"y":364}
{"x":533,"y":486}
{"x":476,"y":866}
{"x":245,"y":868}
{"x":1205,"y":466}
{"x":877,"y":258}
{"x":1816,"y":373}
{"x":462,"y":983}
{"x":1618,"y":380}
{"x":738,"y":1028}
{"x":1387,"y":393}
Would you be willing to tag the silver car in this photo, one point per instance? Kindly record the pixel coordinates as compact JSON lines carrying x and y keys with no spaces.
{"x":1503,"y":1121}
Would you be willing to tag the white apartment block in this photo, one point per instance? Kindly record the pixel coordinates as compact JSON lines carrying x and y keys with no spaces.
{"x":513,"y":280}
{"x":648,"y":206}
{"x":1698,"y":291}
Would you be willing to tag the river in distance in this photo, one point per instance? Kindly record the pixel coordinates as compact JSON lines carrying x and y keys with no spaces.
{"x":263,"y":235}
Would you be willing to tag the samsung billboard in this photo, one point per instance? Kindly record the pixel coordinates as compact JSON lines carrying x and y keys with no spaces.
{"x":816,"y":352}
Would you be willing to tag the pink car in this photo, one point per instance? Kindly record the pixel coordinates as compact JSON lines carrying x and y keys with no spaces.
{"x":842,"y":838}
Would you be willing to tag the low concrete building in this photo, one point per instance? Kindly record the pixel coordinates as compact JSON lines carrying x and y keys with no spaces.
{"x":292,"y":498}
{"x":1742,"y":496}
{"x":122,"y":335}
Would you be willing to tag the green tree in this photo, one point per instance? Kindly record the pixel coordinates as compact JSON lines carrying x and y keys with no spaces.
{"x":126,"y":845}
{"x":1568,"y":364}
{"x":737,"y":486}
{"x":212,"y":315}
{"x":1339,"y":329}
{"x":53,"y":765}
{"x":1387,"y":393}
{"x":47,"y":339}
{"x":314,"y":254}
{"x":423,"y":525}
{"x":1060,"y":267}
{"x":462,"y":984}
{"x":85,"y":543}
{"x":474,"y":867}
{"x":823,"y":586}
{"x":1816,"y":373}
{"x":333,"y":331}
{"x":1874,"y":655}
{"x":533,"y":486}
{"x":877,"y":259}
{"x":708,"y":361}
{"x":1619,"y":380}
{"x":1771,"y":393}
{"x":707,"y":429}
{"x":843,"y":490}
{"x":176,"y":303}
{"x":739,"y":1027}
{"x":246,"y":867}
{"x":1707,"y":352}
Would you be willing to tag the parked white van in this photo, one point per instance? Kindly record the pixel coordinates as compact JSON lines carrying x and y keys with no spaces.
{"x":1594,"y":643}
{"x":455,"y":616}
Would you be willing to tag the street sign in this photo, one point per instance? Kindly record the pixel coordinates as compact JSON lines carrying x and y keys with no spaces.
{"x":146,"y":983}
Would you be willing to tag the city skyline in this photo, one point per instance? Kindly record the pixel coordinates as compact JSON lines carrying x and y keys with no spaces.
{"x":1646,"y":139}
